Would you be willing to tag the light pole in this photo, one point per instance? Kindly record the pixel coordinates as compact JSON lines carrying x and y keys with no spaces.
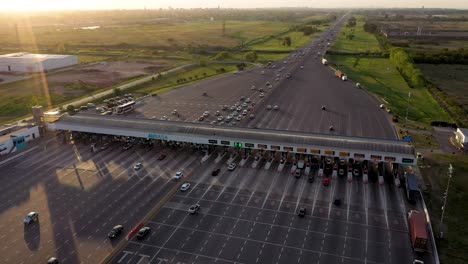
{"x":450,"y":175}
{"x":407,"y":106}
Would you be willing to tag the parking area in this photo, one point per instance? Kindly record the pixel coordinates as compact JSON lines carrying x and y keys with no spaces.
{"x":251,"y":216}
{"x":80,"y":196}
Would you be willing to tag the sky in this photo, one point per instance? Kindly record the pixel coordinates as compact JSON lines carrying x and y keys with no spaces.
{"x":39,"y":5}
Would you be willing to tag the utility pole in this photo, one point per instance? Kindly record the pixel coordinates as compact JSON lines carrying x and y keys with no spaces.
{"x":450,"y":175}
{"x":407,"y":106}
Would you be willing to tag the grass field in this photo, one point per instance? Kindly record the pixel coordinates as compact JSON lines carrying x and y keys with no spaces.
{"x":379,"y":77}
{"x":452,"y":250}
{"x":362,"y":41}
{"x":191,"y":74}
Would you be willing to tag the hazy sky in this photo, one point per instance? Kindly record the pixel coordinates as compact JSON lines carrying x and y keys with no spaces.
{"x":28,"y":5}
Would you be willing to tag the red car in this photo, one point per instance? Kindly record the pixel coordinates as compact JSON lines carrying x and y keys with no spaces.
{"x":326,"y":181}
{"x":162,"y":156}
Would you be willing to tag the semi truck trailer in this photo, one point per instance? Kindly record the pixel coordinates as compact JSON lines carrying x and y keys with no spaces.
{"x":341,"y":75}
{"x":418,"y":230}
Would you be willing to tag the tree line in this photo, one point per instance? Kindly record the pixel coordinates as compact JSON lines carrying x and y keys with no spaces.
{"x":405,"y":65}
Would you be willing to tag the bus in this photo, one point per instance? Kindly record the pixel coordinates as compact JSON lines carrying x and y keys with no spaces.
{"x":125,"y":108}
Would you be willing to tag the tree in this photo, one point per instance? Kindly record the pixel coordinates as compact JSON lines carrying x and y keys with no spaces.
{"x":351,"y":22}
{"x":223,"y":55}
{"x":287,"y":41}
{"x":240,"y":66}
{"x":251,"y":56}
{"x":117,"y":92}
{"x":70,"y":108}
{"x":370,"y":27}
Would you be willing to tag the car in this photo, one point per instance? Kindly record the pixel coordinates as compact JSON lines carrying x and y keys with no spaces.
{"x":262,"y":95}
{"x":225,"y":107}
{"x":53,"y":260}
{"x":115,"y":232}
{"x":178,"y":175}
{"x":302,"y":212}
{"x":232,"y":108}
{"x":201,"y":118}
{"x":244,"y":105}
{"x":185,"y":187}
{"x":252,"y":116}
{"x":297,"y":173}
{"x":220,"y":118}
{"x":138,"y":166}
{"x":217,"y":113}
{"x":277,"y":79}
{"x":239,"y":108}
{"x":311,"y":178}
{"x":252,"y":87}
{"x":302,"y":67}
{"x":31,"y":217}
{"x":268,"y":84}
{"x":238,"y":118}
{"x":242,"y":98}
{"x":194,"y":208}
{"x":205,"y":114}
{"x":326,"y":181}
{"x":143,"y":232}
{"x":341,"y":172}
{"x":163,"y":118}
{"x":268,"y":107}
{"x":247,"y":100}
{"x":278,"y":75}
{"x":262,"y":72}
{"x":244,"y":112}
{"x":358,"y":85}
{"x":232,"y":166}
{"x":174,"y":112}
{"x":417,"y":261}
{"x":337,"y":202}
{"x":275,"y":107}
{"x":213,"y":122}
{"x":288,"y":75}
{"x":331,"y":128}
{"x":215,"y":172}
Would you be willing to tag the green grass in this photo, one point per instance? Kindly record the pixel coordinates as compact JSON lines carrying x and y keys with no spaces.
{"x":379,"y":77}
{"x":298,"y":40}
{"x":169,"y":81}
{"x":362,"y":41}
{"x":452,"y":250}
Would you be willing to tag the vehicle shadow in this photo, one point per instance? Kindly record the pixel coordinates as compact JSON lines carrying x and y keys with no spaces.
{"x":32,"y":235}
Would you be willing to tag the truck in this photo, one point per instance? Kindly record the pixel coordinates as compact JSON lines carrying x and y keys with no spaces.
{"x":324,"y":61}
{"x":412,"y":188}
{"x":300,"y":164}
{"x":341,"y":75}
{"x":418,"y":230}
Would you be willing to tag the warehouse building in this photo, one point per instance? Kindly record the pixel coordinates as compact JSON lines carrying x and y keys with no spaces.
{"x":27,"y":62}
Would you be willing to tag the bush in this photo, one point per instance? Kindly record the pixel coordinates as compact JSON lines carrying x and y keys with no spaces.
{"x":223,"y":55}
{"x":251,"y":56}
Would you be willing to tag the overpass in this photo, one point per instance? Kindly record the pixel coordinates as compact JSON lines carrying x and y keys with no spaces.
{"x":358,"y":148}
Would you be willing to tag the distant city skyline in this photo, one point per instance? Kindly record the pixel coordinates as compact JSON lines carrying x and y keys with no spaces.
{"x":35,"y":5}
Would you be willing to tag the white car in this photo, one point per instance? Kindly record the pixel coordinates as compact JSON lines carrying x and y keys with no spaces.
{"x":262,"y":72}
{"x":217,"y":113}
{"x":185,"y":187}
{"x":302,"y":67}
{"x":262,"y":95}
{"x":232,"y":166}
{"x":268,"y":107}
{"x":31,"y":217}
{"x":247,"y":100}
{"x":178,"y":175}
{"x":244,"y":112}
{"x":163,"y":118}
{"x":238,"y":118}
{"x":193,"y":209}
{"x":252,"y":88}
{"x":138,"y":166}
{"x":252,"y":116}
{"x":174,"y":112}
{"x":275,"y":107}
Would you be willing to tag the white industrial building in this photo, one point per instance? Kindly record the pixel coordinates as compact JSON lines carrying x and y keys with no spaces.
{"x":15,"y":138}
{"x":461,"y":137}
{"x":27,"y":62}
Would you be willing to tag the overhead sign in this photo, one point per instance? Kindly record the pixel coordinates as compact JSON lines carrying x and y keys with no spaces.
{"x":329,"y":152}
{"x":344,"y":154}
{"x":237,"y":145}
{"x":301,"y":150}
{"x":315,"y":151}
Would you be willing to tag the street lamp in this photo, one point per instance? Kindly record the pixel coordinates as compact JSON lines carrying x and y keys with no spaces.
{"x":450,"y":175}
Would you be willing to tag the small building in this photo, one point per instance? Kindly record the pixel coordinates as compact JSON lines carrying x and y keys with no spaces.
{"x":461,"y":138}
{"x":15,"y":138}
{"x":28,"y":62}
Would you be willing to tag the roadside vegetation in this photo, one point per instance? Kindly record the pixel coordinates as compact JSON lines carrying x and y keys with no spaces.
{"x":434,"y":168}
{"x":362,"y":59}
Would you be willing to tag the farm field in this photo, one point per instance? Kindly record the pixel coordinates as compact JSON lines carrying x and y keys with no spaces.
{"x":379,"y":77}
{"x":362,"y":41}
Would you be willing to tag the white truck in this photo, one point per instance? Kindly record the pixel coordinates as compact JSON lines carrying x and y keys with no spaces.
{"x":324,"y":61}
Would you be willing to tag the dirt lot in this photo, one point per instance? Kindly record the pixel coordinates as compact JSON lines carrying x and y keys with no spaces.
{"x":16,"y":98}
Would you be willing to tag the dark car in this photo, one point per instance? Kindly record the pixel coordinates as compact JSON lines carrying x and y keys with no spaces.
{"x":311,"y":178}
{"x":215,"y":172}
{"x":115,"y":232}
{"x":337,"y":202}
{"x":302,"y":212}
{"x":143,"y":232}
{"x":193,"y":209}
{"x":162,"y":156}
{"x":127,"y":146}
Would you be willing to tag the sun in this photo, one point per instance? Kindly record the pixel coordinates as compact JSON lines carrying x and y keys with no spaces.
{"x":45,"y":5}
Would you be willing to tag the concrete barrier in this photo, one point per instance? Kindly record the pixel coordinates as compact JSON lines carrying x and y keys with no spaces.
{"x":293,"y":168}
{"x":365,"y":178}
{"x":320,"y":172}
{"x":350,"y":176}
{"x":243,"y":161}
{"x":231,"y":159}
{"x":381,"y":180}
{"x":255,"y":163}
{"x":220,"y":157}
{"x":205,"y":158}
{"x":267,"y":165}
{"x":280,"y":167}
{"x":334,"y":174}
{"x":397,"y":182}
